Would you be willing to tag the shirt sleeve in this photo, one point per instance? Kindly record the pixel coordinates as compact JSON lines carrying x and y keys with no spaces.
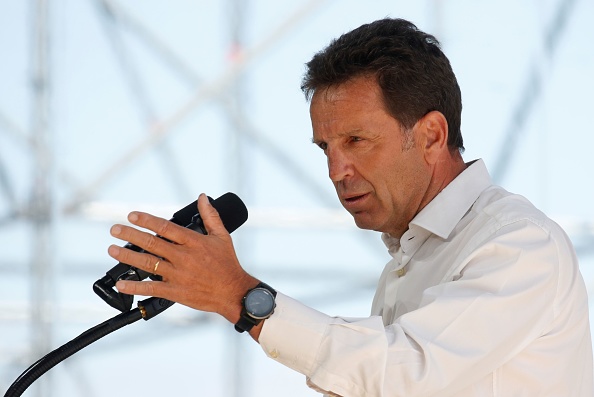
{"x":503,"y":297}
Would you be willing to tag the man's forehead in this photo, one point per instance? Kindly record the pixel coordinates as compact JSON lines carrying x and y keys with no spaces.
{"x":344,"y":90}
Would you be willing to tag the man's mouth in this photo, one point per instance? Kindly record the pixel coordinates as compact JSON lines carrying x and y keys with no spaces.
{"x":354,"y":202}
{"x":353,"y":198}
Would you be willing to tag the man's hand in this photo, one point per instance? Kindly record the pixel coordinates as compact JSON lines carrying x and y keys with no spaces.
{"x":199,"y":271}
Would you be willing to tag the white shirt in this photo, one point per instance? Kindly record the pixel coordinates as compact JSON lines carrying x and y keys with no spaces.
{"x":483,"y":297}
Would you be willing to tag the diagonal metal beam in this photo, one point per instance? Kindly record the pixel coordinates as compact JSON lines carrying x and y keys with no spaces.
{"x":138,"y":90}
{"x":240,"y":121}
{"x":215,"y":88}
{"x":170,"y":58}
{"x":28,"y":142}
{"x":15,"y":130}
{"x":129,"y":69}
{"x":277,"y":154}
{"x":531,"y":91}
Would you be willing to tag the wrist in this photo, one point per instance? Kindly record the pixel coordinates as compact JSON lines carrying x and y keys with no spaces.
{"x":233,"y":308}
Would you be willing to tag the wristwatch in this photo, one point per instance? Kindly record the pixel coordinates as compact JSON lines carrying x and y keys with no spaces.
{"x":258,"y":304}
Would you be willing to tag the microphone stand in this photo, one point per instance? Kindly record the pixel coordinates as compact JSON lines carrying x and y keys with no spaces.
{"x":146,"y":310}
{"x":233,"y":214}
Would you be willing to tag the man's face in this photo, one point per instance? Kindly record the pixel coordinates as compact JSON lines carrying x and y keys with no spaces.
{"x":377,"y":167}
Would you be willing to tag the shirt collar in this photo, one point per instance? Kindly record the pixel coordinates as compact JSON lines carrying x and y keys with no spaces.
{"x":445,"y":211}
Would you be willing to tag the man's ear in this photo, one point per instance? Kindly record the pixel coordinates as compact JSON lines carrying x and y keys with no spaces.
{"x":434,"y":128}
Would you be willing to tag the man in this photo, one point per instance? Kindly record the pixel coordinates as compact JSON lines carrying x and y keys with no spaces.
{"x":483,"y":296}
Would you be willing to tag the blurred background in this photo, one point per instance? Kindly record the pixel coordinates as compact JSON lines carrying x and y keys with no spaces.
{"x":109,"y":106}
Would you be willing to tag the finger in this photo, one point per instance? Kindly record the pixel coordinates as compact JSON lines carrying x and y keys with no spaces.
{"x":144,"y":261}
{"x":146,"y":241}
{"x":162,"y":227}
{"x":157,"y":245}
{"x":210,"y":217}
{"x":143,"y":288}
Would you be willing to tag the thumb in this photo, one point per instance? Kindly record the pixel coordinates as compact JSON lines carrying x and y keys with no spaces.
{"x":210,"y":217}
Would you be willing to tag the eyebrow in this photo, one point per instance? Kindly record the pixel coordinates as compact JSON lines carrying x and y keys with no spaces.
{"x":356,"y":131}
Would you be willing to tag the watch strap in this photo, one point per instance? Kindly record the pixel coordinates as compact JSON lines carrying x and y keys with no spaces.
{"x":245,"y":323}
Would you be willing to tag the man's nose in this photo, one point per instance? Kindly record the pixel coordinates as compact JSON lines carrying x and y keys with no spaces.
{"x":339,"y":165}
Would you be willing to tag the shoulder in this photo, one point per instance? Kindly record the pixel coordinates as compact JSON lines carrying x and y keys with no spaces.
{"x":501,"y":223}
{"x":499,"y":208}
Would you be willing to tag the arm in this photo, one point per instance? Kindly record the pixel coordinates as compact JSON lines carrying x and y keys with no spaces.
{"x":504,"y":297}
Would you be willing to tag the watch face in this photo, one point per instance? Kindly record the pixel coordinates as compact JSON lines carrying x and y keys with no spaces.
{"x":259,"y":303}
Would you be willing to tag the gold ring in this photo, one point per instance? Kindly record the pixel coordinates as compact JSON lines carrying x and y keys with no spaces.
{"x":156,"y":267}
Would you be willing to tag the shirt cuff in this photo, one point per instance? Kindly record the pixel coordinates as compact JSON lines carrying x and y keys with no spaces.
{"x":293,"y":334}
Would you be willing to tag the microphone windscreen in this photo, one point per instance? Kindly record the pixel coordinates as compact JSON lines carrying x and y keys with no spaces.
{"x":184,"y":216}
{"x":232,"y":211}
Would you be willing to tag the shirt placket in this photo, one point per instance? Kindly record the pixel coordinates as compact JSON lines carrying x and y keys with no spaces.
{"x":409,"y":243}
{"x":393,"y":281}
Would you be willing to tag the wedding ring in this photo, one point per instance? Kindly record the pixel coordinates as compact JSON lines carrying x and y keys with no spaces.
{"x":156,"y":267}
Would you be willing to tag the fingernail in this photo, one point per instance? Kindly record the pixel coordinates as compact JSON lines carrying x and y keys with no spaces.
{"x":205,"y":198}
{"x":113,"y":250}
{"x":115,"y":230}
{"x":133,"y":217}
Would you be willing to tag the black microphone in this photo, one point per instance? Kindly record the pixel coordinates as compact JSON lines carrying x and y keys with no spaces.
{"x":233,"y":213}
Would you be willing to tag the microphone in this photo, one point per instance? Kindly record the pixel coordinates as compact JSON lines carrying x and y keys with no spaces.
{"x":233,"y":213}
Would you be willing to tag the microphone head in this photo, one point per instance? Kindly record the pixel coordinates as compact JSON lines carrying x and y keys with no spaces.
{"x":232,"y":211}
{"x":184,"y":216}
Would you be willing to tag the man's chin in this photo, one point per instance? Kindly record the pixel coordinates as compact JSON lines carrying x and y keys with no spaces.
{"x":363,"y":222}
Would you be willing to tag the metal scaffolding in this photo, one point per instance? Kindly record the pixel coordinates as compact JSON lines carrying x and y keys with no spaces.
{"x":58,"y":196}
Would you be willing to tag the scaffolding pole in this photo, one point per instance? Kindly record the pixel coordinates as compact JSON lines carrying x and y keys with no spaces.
{"x":40,"y":207}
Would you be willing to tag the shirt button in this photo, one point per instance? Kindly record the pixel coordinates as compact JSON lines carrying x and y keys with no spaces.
{"x":274,"y":353}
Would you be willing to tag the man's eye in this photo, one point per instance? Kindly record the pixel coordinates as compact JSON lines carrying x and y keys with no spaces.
{"x":356,"y":139}
{"x":323,"y":146}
